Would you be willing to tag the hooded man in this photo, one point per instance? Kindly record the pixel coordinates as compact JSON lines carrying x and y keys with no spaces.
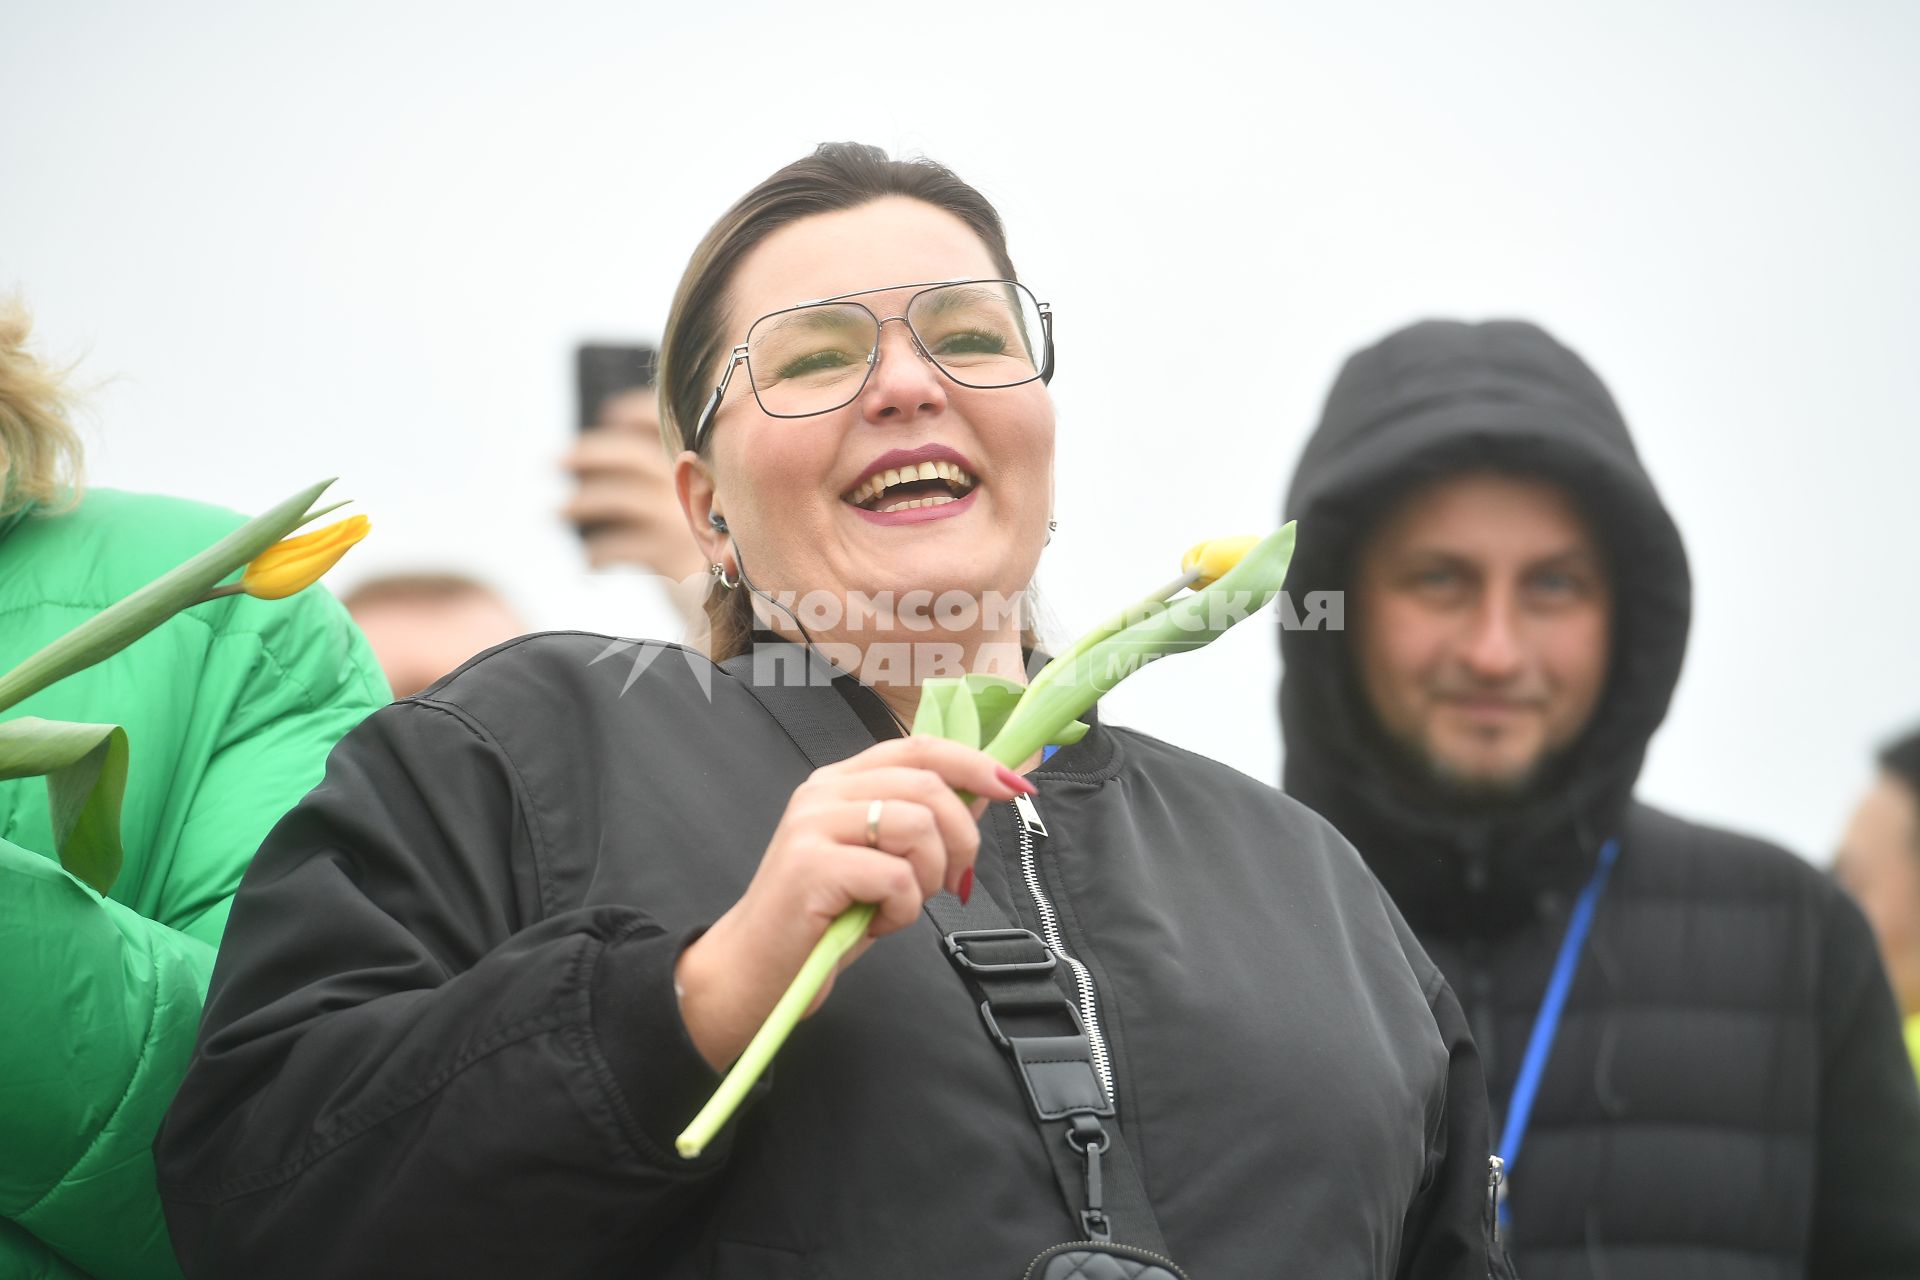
{"x":1687,"y":1033}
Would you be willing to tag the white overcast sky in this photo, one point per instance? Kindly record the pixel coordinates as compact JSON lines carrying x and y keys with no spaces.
{"x":360,"y":239}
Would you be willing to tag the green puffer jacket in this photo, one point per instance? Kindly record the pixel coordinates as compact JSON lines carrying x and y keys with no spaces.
{"x":230,"y":710}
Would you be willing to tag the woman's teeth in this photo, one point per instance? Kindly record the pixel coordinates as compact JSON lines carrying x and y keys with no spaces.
{"x":938,"y":499}
{"x":871,"y":493}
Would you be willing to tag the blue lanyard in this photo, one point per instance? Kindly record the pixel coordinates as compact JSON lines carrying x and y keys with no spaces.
{"x":1546,"y":1023}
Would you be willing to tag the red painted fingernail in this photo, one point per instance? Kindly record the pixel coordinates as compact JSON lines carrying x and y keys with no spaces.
{"x":1008,"y":778}
{"x":966,"y":886}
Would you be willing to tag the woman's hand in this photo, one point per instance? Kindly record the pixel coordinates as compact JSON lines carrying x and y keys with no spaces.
{"x":819,"y":863}
{"x":624,"y":505}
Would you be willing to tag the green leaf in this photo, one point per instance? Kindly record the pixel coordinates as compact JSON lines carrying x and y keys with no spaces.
{"x":120,"y":624}
{"x":1070,"y":732}
{"x":963,"y":719}
{"x":930,"y":718}
{"x":1064,"y":660}
{"x":994,"y":698}
{"x":86,"y":770}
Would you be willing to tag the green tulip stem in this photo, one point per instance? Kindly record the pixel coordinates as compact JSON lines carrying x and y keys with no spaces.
{"x":847,"y":928}
{"x":1178,"y":585}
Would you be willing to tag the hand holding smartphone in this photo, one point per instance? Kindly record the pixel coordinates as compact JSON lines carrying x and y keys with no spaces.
{"x":623,"y":501}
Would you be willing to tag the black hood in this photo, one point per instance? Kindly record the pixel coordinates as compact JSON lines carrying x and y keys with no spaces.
{"x":1442,"y":396}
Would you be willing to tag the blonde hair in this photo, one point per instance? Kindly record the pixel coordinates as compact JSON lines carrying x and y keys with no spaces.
{"x":40,"y":452}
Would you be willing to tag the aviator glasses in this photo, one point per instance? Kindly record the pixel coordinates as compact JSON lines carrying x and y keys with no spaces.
{"x":816,"y":357}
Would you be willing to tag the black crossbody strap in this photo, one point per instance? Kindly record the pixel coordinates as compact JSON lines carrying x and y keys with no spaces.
{"x":1010,"y":970}
{"x":796,"y":688}
{"x":1038,"y":1027}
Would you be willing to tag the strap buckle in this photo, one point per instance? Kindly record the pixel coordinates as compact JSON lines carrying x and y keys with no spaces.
{"x":956,"y":945}
{"x":1056,"y":1070}
{"x":1005,"y":1041}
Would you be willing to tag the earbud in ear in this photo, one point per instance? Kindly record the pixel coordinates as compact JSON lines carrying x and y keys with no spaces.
{"x":715,"y":519}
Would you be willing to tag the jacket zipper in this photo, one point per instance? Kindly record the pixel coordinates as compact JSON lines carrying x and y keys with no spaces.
{"x":1028,"y":824}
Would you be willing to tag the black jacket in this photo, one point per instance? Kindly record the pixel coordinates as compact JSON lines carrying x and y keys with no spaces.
{"x":1727,"y":1095}
{"x":442,"y":1038}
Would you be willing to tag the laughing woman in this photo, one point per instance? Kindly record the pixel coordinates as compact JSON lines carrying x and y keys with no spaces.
{"x":481,"y":977}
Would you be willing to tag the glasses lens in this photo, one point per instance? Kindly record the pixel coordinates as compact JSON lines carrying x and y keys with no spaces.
{"x":984,"y":333}
{"x":810,"y":359}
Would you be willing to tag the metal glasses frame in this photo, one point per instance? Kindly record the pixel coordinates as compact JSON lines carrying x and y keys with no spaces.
{"x":738,"y":355}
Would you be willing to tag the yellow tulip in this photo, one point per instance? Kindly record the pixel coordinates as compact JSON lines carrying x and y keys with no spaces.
{"x":298,"y":563}
{"x":1214,"y":557}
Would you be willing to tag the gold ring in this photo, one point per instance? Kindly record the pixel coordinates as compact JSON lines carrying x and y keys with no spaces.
{"x":873,"y":823}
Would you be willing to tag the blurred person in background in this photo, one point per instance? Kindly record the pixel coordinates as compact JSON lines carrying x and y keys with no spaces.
{"x":1723,"y":1090}
{"x":423,"y":625}
{"x":623,"y":501}
{"x":230,"y":708}
{"x":1879,"y":861}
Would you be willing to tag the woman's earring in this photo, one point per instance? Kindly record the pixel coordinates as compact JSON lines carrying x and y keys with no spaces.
{"x":1052,"y":527}
{"x":719,"y":572}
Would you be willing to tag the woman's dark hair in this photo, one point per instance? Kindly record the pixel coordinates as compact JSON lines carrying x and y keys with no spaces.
{"x":838,"y":175}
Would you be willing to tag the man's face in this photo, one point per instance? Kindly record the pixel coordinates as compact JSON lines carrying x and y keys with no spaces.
{"x":1880,"y":864}
{"x":1484,"y":615}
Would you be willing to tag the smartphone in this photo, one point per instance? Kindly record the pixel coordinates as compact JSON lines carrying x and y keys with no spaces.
{"x":603,"y":370}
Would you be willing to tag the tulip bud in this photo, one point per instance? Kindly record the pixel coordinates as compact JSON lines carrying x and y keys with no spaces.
{"x":297,"y":563}
{"x":1214,"y":557}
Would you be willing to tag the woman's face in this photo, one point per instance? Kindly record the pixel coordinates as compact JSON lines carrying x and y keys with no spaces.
{"x":796,"y":492}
